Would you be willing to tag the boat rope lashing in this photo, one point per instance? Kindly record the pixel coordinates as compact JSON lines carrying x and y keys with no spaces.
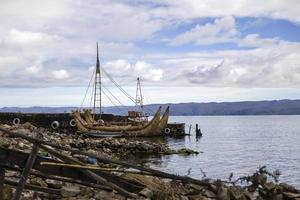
{"x":55,"y":125}
{"x":167,"y":130}
{"x":16,"y":121}
{"x":72,"y":123}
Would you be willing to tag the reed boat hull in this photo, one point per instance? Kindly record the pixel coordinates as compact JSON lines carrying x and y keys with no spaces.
{"x":155,"y":127}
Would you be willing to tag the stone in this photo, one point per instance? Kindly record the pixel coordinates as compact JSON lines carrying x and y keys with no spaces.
{"x":54,"y":183}
{"x":196,"y":187}
{"x":223,"y":194}
{"x":7,"y":193}
{"x":199,"y":197}
{"x":146,"y":192}
{"x":209,"y":194}
{"x":21,"y":145}
{"x":38,"y":181}
{"x":186,"y":151}
{"x":291,"y":195}
{"x":278,"y":197}
{"x":25,"y":132}
{"x":251,"y":195}
{"x":269,"y":186}
{"x":6,"y":126}
{"x":262,"y":179}
{"x":105,"y":195}
{"x":4,"y":142}
{"x":288,"y":188}
{"x":70,"y":190}
{"x":182,"y":197}
{"x":87,"y":192}
{"x":237,"y":193}
{"x":29,"y":126}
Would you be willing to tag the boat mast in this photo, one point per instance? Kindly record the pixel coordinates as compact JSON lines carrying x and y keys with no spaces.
{"x":139,"y":97}
{"x":97,"y":87}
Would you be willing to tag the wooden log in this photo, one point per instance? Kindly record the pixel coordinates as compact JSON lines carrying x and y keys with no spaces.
{"x":2,"y":176}
{"x":33,"y":187}
{"x":26,"y":171}
{"x":89,"y":173}
{"x":118,"y":162}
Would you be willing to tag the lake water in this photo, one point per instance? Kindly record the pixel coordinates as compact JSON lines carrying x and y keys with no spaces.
{"x":238,"y":144}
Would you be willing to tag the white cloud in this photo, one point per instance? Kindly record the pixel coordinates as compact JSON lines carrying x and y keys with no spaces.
{"x":60,"y":74}
{"x":275,"y":65}
{"x":254,"y":40}
{"x":34,"y":69}
{"x":120,"y":65}
{"x":17,"y":37}
{"x":125,"y":72}
{"x":155,"y":74}
{"x":147,"y":71}
{"x":220,"y":31}
{"x":190,"y":9}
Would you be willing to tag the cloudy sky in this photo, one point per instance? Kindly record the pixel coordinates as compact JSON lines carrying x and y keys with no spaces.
{"x":184,"y":51}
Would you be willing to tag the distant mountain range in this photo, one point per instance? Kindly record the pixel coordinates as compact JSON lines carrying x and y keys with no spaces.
{"x":276,"y":107}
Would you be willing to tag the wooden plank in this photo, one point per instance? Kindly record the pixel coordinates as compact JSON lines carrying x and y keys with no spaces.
{"x":34,"y":187}
{"x":28,"y":166}
{"x":92,"y":175}
{"x":57,"y":178}
{"x":12,"y":157}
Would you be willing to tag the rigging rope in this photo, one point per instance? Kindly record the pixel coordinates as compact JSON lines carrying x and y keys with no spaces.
{"x":119,"y":87}
{"x":91,"y":101}
{"x":116,"y":84}
{"x":111,"y":101}
{"x":87,"y":90}
{"x":122,"y":90}
{"x":113,"y":95}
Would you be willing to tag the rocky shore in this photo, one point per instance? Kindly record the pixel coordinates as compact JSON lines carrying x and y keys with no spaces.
{"x":147,"y":184}
{"x":112,"y":147}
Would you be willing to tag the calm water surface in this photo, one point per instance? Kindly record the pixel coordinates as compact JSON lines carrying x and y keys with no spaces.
{"x":238,"y":144}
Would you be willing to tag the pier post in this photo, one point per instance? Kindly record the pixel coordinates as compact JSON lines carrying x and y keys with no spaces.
{"x":198,"y":131}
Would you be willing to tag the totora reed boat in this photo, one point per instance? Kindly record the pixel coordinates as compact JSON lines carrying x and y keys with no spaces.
{"x":138,"y":125}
